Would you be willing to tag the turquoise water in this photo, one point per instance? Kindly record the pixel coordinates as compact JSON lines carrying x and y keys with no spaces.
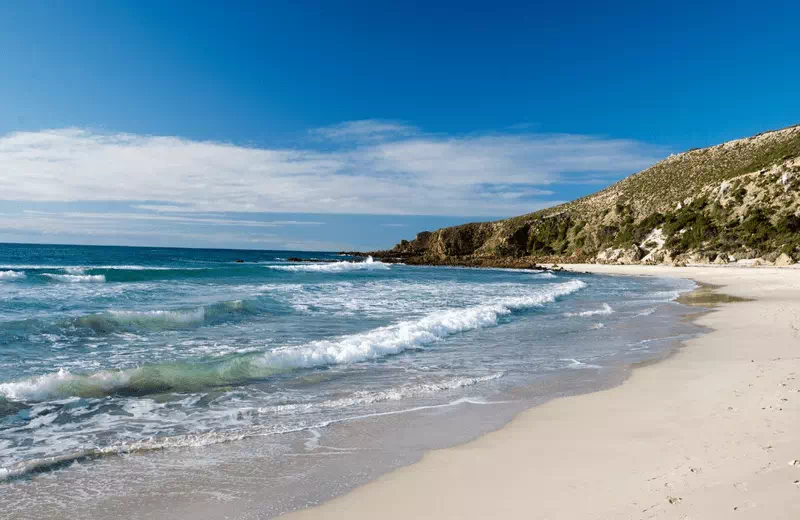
{"x":108,"y":350}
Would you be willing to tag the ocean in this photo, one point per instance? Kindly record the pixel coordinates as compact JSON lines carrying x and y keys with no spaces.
{"x":172,"y":374}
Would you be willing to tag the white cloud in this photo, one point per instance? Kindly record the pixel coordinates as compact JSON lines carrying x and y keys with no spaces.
{"x":374,"y":168}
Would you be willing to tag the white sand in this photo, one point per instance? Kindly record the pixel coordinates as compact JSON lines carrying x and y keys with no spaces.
{"x":708,"y":433}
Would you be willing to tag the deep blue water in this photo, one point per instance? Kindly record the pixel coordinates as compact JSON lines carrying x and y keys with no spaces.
{"x":114,"y":350}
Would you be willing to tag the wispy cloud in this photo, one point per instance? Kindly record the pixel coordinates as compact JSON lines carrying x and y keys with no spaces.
{"x":149,"y":229}
{"x":366,"y":167}
{"x":124,"y":217}
{"x":365,"y":130}
{"x":165,"y":208}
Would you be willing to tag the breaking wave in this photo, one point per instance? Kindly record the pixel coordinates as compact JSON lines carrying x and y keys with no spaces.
{"x":333,"y":267}
{"x":11,"y":275}
{"x":76,"y":278}
{"x":243,"y":368}
{"x":156,"y":320}
{"x":396,"y":338}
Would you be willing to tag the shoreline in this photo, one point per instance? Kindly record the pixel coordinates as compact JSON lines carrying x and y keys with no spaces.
{"x":699,"y":445}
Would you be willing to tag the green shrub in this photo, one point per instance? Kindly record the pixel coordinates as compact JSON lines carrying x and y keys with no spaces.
{"x":788,"y":224}
{"x":624,"y":236}
{"x":756,"y":229}
{"x":549,"y":236}
{"x":607,"y":234}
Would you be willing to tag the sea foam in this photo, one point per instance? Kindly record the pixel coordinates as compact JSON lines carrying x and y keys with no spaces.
{"x":392,"y":394}
{"x":76,"y":278}
{"x":646,"y":312}
{"x":604,"y":310}
{"x":575,"y":364}
{"x":11,"y":275}
{"x":333,"y":267}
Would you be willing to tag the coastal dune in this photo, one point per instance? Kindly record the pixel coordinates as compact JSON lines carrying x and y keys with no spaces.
{"x":710,"y":432}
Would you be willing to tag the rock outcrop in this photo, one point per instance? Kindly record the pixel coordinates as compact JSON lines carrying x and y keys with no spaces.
{"x":784,"y":260}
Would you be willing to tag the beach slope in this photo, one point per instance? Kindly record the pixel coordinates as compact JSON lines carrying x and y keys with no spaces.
{"x":711,"y":432}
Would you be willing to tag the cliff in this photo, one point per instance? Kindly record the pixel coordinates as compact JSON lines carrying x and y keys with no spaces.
{"x":737,"y":200}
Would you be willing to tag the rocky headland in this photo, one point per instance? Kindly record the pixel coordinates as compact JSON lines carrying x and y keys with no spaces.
{"x":734,"y":202}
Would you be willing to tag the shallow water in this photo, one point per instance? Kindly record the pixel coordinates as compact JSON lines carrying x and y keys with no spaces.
{"x":308,"y":378}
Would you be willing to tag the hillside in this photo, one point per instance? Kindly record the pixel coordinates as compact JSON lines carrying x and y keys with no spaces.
{"x":734,"y":201}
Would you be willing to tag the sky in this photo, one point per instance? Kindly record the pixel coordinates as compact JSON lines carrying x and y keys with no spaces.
{"x":354,"y":124}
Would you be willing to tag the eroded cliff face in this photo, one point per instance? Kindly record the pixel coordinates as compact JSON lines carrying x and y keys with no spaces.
{"x":738,"y":200}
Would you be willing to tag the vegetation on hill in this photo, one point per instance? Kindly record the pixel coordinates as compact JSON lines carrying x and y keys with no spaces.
{"x":737,"y":200}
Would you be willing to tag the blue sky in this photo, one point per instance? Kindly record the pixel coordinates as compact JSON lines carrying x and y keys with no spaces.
{"x":338,"y":125}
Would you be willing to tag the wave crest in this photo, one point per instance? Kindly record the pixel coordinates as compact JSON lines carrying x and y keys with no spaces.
{"x":11,"y":275}
{"x":157,"y":320}
{"x":76,"y":278}
{"x":334,"y":267}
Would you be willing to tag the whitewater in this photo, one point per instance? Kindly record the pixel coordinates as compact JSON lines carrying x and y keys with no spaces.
{"x":113,"y":351}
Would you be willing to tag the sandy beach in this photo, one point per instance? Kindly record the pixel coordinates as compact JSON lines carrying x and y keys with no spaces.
{"x":710,"y":432}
